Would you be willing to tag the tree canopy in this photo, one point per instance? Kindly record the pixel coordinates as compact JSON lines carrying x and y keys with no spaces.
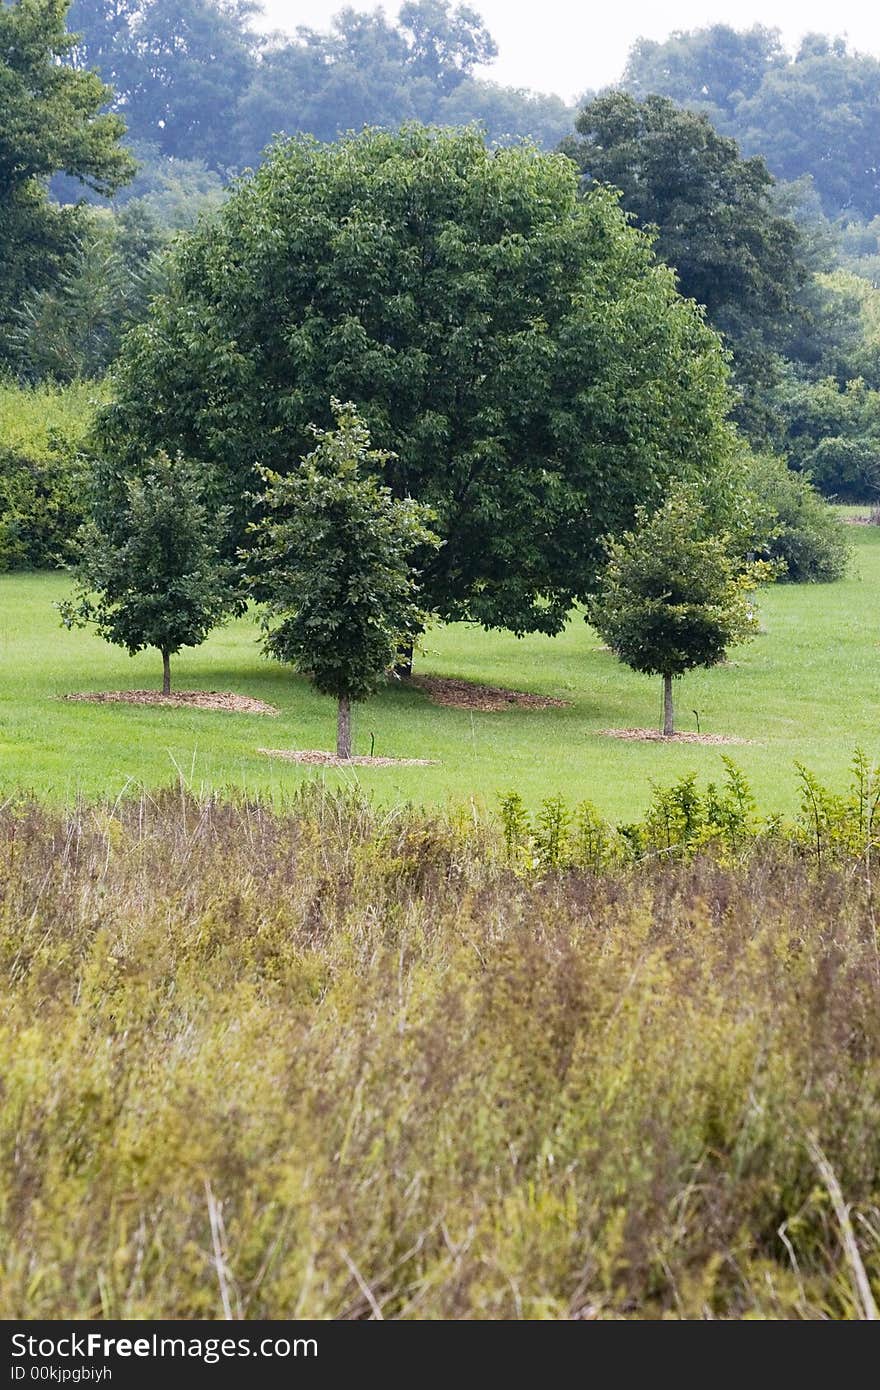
{"x":715,"y":221}
{"x":196,"y":80}
{"x":820,"y":115}
{"x":530,"y":368}
{"x":50,"y":116}
{"x":730,"y":232}
{"x":712,"y":70}
{"x":177,"y":68}
{"x":51,"y":120}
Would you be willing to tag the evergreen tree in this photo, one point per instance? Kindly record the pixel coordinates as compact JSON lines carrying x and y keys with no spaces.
{"x":714,"y":217}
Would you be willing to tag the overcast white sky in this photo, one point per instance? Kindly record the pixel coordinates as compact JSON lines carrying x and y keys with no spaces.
{"x":566,"y":46}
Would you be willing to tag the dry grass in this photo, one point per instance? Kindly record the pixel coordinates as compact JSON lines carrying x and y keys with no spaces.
{"x":656,"y":736}
{"x":223,"y":701}
{"x":317,"y":757}
{"x":356,"y":1063}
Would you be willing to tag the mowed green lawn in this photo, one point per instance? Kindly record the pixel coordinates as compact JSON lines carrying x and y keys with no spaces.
{"x":806,"y":689}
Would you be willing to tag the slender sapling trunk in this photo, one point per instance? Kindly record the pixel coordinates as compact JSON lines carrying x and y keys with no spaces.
{"x":668,"y":712}
{"x":166,"y":672}
{"x":343,"y":728}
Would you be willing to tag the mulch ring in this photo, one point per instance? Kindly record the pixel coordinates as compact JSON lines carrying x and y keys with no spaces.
{"x":489,"y":699}
{"x":221,"y":700}
{"x":316,"y":757}
{"x":654,"y":736}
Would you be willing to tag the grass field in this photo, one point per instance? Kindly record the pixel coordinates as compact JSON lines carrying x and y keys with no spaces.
{"x":806,"y":689}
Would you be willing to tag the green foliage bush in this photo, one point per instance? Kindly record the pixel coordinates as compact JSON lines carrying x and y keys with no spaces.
{"x":42,"y":471}
{"x":683,"y":820}
{"x":805,"y":537}
{"x":846,"y":468}
{"x":354,"y":1051}
{"x":831,"y":433}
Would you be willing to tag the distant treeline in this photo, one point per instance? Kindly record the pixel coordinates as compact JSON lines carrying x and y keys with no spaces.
{"x":816,"y":114}
{"x":195,"y":81}
{"x":203,"y":93}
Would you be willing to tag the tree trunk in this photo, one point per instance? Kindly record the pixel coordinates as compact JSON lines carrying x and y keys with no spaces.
{"x":403,"y":666}
{"x":166,"y":672}
{"x":668,"y":712}
{"x":343,"y":729}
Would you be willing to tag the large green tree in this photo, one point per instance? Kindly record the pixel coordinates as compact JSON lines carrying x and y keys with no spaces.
{"x":745,"y":247}
{"x":51,"y":120}
{"x":716,"y":223}
{"x":516,"y":347}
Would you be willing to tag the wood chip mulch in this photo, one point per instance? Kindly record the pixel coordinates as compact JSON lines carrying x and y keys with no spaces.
{"x":220,"y":700}
{"x":654,"y":736}
{"x":316,"y":757}
{"x":489,"y":699}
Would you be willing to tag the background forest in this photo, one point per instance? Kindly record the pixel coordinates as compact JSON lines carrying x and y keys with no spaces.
{"x":754,"y":168}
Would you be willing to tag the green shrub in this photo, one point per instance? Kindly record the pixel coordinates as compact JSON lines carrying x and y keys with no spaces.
{"x":560,"y":838}
{"x":42,"y":471}
{"x":683,"y":820}
{"x":848,"y":469}
{"x":804,"y":534}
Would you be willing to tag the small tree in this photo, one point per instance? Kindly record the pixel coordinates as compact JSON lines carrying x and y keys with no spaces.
{"x":151,"y":575}
{"x":673,"y":596}
{"x":335,"y":555}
